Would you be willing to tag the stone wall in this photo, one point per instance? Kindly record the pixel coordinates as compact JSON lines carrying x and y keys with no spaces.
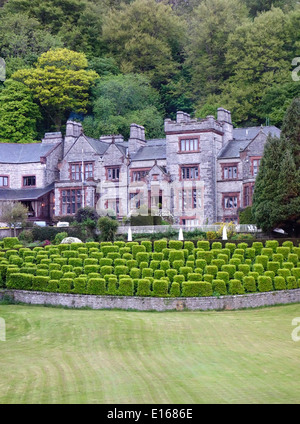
{"x":252,"y":300}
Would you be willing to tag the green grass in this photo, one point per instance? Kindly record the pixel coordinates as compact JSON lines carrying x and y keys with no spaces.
{"x":56,"y":355}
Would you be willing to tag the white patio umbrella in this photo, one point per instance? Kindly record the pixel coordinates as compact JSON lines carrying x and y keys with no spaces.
{"x":129,"y":238}
{"x":224,"y":235}
{"x":180,"y":236}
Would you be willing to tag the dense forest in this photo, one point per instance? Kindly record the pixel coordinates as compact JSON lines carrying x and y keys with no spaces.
{"x":110,"y":63}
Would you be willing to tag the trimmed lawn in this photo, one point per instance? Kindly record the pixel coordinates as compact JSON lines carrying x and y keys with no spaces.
{"x":56,"y":355}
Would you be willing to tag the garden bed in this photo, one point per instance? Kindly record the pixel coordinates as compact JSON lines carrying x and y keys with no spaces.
{"x":160,"y":269}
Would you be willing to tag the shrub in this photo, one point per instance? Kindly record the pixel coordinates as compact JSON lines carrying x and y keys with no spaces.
{"x":201,"y":263}
{"x":284,"y":251}
{"x":218,"y":263}
{"x":238,"y":275}
{"x":104,"y":270}
{"x":224,"y":257}
{"x":157,"y":256}
{"x":216,"y":245}
{"x":104,"y":262}
{"x":272,"y":244}
{"x":235,"y":261}
{"x":262,"y":259}
{"x":121,"y":269}
{"x":126,"y":287}
{"x":258,"y":246}
{"x":96,"y":286}
{"x":52,"y":286}
{"x":154,"y":264}
{"x":191,"y":289}
{"x":236,"y":287}
{"x":207,"y":256}
{"x":296,"y":272}
{"x":92,"y":268}
{"x":254,"y":274}
{"x":211,"y":269}
{"x":189,"y":245}
{"x":142,"y":257}
{"x":293,"y":257}
{"x":194,"y":277}
{"x":160,"y":288}
{"x":166,"y":253}
{"x":159,"y":245}
{"x":208,"y":278}
{"x":249,"y":284}
{"x":178,"y":264}
{"x":147,"y":272}
{"x":70,"y":254}
{"x":223,"y":275}
{"x":171,"y":274}
{"x":60,"y":236}
{"x":279,"y":283}
{"x":175,"y":290}
{"x":250,"y":253}
{"x":175,"y":244}
{"x":42,"y":272}
{"x":270,"y":274}
{"x":273,"y":266}
{"x":178,"y":279}
{"x":76,"y":262}
{"x":10,"y":242}
{"x":267,"y":251}
{"x":258,"y":267}
{"x":80,"y":285}
{"x":56,"y":274}
{"x":264,"y":284}
{"x":277,"y":257}
{"x":108,"y":228}
{"x":158,"y":274}
{"x":147,"y":244}
{"x":230,"y":269}
{"x":288,"y":265}
{"x":176,"y":255}
{"x":165,"y":264}
{"x":219,"y":287}
{"x":112,"y":286}
{"x":40,"y":283}
{"x":203,"y":244}
{"x":284,"y":272}
{"x":65,"y":285}
{"x":19,"y":281}
{"x":185,"y":270}
{"x":143,"y":265}
{"x":244,"y":268}
{"x":231,"y":247}
{"x":135,"y":272}
{"x":136,"y":249}
{"x":291,"y":282}
{"x":143,"y":287}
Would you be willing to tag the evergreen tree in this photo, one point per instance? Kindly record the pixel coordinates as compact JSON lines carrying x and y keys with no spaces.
{"x":266,"y":184}
{"x":276,"y":200}
{"x":18,"y":114}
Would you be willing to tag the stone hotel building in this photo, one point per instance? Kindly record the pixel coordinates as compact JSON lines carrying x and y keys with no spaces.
{"x":202,"y":172}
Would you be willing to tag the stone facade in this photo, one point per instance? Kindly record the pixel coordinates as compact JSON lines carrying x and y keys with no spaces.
{"x":202,"y":172}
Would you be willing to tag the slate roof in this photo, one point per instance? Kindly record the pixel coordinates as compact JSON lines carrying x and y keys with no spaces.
{"x":242,"y":137}
{"x":154,"y":149}
{"x":25,"y":193}
{"x":24,"y":153}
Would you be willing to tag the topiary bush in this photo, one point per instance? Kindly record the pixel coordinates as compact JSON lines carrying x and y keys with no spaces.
{"x":219,"y":287}
{"x":143,"y":287}
{"x":249,"y":284}
{"x":236,"y":287}
{"x":264,"y":284}
{"x":160,"y":288}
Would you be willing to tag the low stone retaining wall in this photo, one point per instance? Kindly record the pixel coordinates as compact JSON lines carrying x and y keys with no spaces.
{"x":252,"y":300}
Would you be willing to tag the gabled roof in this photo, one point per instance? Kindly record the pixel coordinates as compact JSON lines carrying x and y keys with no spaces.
{"x":24,"y":153}
{"x":248,"y":133}
{"x":242,"y":137}
{"x":154,"y":149}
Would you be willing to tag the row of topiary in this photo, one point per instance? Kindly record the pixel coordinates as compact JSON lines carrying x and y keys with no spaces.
{"x":173,"y":268}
